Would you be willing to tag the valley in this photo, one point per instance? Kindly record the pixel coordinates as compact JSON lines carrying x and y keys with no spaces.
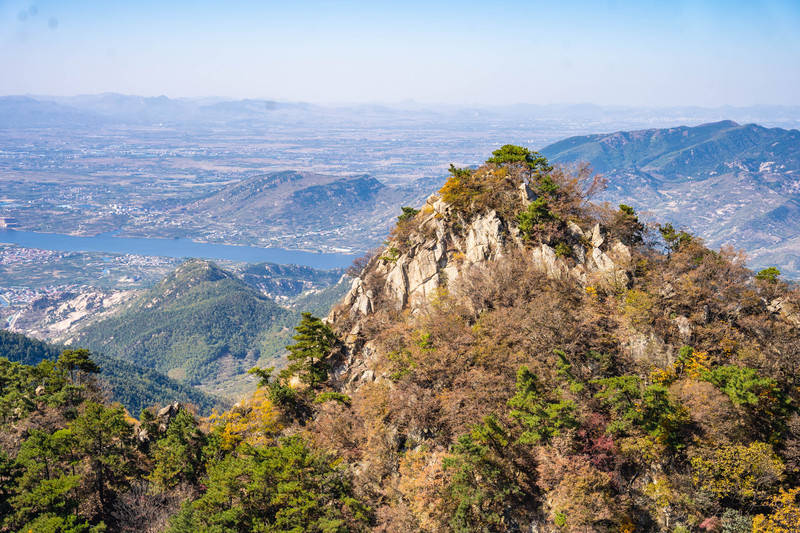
{"x":161,"y":167}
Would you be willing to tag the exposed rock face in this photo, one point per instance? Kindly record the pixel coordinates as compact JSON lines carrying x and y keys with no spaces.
{"x":413,"y":276}
{"x":786,"y":310}
{"x":162,"y":420}
{"x":56,"y":319}
{"x":406,"y":276}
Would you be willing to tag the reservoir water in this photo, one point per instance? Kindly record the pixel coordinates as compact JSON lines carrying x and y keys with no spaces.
{"x":179,"y":248}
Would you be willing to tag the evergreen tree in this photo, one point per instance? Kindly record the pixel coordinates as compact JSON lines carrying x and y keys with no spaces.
{"x":77,"y":360}
{"x":308,"y":356}
{"x":178,"y":457}
{"x":510,"y":154}
{"x":104,"y":438}
{"x":283,"y":488}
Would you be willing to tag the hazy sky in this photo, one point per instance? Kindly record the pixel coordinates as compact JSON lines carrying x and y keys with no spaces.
{"x":607,"y":52}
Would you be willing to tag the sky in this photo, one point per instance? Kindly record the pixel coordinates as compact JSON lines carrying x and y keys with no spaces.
{"x":641,"y":53}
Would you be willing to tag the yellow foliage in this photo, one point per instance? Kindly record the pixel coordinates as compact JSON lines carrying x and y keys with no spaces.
{"x":660,"y":491}
{"x":582,"y":499}
{"x":728,"y":345}
{"x":422,"y":482}
{"x":469,"y":190}
{"x":697,"y":365}
{"x":638,"y":306}
{"x":739,"y":472}
{"x":626,"y":525}
{"x":591,"y":290}
{"x":255,"y":421}
{"x":644,"y":448}
{"x":662,"y":376}
{"x":786,"y":515}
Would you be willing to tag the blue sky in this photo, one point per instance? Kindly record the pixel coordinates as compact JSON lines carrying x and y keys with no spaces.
{"x":606,"y":52}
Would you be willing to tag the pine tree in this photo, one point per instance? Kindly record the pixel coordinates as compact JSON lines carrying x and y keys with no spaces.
{"x":308,"y":356}
{"x":178,"y":457}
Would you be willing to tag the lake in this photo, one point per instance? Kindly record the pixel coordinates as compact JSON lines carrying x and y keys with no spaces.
{"x":179,"y":248}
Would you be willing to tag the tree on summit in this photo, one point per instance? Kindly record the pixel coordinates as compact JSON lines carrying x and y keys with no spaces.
{"x":510,"y":153}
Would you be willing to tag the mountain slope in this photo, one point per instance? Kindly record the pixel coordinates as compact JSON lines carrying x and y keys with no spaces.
{"x":133,"y":386}
{"x":733,"y":184}
{"x":22,"y":112}
{"x":315,"y":210}
{"x":517,"y":359}
{"x":200,"y":325}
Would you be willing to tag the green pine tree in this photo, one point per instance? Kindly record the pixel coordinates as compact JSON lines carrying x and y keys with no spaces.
{"x":309,"y":355}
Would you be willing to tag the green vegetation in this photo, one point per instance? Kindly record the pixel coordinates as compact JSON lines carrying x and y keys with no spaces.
{"x":76,"y":452}
{"x":537,"y":213}
{"x":674,"y":239}
{"x":511,"y":154}
{"x":513,"y":400}
{"x":408,"y":214}
{"x":769,"y":274}
{"x":308,"y":357}
{"x":285,"y":487}
{"x":309,"y":363}
{"x":131,"y":385}
{"x":474,"y":426}
{"x":78,"y":465}
{"x":200,"y":325}
{"x":542,"y":419}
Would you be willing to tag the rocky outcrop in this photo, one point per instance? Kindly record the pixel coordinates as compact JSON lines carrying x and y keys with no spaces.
{"x":439,"y":254}
{"x":786,"y":310}
{"x":160,"y":423}
{"x":407,"y":275}
{"x":56,"y":318}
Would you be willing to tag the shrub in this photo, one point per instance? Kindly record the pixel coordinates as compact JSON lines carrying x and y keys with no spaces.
{"x":480,"y":490}
{"x":536,"y":214}
{"x":540,"y":418}
{"x":770,"y":275}
{"x":675,"y":239}
{"x":512,"y":154}
{"x":625,"y":226}
{"x":738,"y":473}
{"x":648,"y":409}
{"x":563,"y":250}
{"x":785,"y":516}
{"x":743,"y":385}
{"x":408,"y":214}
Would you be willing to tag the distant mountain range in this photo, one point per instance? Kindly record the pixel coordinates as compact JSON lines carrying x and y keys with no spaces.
{"x":730,"y":183}
{"x":35,"y":111}
{"x":313,"y":210}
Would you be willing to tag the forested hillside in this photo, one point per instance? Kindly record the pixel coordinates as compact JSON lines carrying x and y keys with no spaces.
{"x":131,"y":385}
{"x":515,"y":359}
{"x":200,"y":326}
{"x":520,"y":359}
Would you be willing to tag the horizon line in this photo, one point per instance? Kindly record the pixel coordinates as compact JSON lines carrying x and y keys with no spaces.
{"x":410,"y":101}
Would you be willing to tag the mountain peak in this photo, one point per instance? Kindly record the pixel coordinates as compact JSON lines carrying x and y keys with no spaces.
{"x":191,"y":273}
{"x":479,"y":218}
